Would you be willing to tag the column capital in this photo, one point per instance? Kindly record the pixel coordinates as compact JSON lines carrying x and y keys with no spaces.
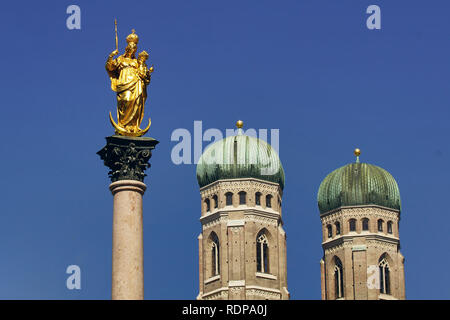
{"x":127,"y":157}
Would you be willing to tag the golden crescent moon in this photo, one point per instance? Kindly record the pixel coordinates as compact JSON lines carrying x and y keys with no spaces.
{"x":142,"y":132}
{"x":115,"y":125}
{"x":122,"y":131}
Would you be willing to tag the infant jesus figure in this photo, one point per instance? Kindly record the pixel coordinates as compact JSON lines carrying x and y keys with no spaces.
{"x":143,"y":71}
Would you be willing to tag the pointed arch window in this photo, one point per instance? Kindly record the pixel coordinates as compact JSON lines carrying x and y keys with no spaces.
{"x":258,"y":198}
{"x":389,"y":227}
{"x":365,"y":224}
{"x":352,"y":224}
{"x":385,"y":279}
{"x":338,"y":278}
{"x":215,"y":255}
{"x":216,"y":201}
{"x":242,"y":197}
{"x":262,"y":253}
{"x":208,"y":205}
{"x":338,"y":228}
{"x":330,"y":231}
{"x":269,"y":201}
{"x":229,"y":198}
{"x":380,"y":225}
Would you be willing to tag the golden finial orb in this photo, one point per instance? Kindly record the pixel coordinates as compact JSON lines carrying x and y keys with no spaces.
{"x":239,"y":124}
{"x":357,"y":152}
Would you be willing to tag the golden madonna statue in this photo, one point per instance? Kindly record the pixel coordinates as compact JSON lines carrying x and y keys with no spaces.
{"x":129,"y":79}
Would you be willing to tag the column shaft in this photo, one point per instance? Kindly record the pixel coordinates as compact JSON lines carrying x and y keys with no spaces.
{"x":128,"y":246}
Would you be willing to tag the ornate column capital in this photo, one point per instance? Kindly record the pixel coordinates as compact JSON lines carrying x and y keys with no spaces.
{"x":127,"y":157}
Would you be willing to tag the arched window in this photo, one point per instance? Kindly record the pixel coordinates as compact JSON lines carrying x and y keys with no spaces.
{"x":352,"y":224}
{"x":389,"y":227}
{"x":258,"y":198}
{"x":215,"y":255}
{"x":365,"y":224}
{"x":269,"y":201}
{"x":330,"y":231}
{"x":338,"y":228}
{"x":242,"y":197}
{"x":380,"y":225}
{"x":262,"y":253}
{"x":229,"y":199}
{"x":216,"y":201}
{"x":338,"y":278}
{"x":385,"y":281}
{"x":208,"y":206}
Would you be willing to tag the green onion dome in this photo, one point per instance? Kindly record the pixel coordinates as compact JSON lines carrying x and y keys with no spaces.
{"x":358,"y":184}
{"x":239,"y":156}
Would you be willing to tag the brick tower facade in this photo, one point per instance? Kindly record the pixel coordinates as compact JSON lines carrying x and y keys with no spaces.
{"x":242,"y":246}
{"x":360,"y":214}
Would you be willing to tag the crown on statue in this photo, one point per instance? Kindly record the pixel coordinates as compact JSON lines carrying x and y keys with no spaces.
{"x":133,"y":37}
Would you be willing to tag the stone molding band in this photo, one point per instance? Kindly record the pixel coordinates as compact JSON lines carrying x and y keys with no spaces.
{"x":127,"y":185}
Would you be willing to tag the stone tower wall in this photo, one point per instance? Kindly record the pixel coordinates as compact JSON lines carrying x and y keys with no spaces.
{"x":360,"y":252}
{"x":237,"y":226}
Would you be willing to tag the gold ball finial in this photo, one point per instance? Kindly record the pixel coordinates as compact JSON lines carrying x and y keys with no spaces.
{"x":239,"y":124}
{"x":357,"y":152}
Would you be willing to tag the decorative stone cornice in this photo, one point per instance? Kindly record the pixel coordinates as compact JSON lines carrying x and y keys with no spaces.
{"x":333,"y":216}
{"x":214,"y":221}
{"x":365,"y":234}
{"x":333,"y":249}
{"x":372,"y":241}
{"x":127,"y":157}
{"x":257,"y":216}
{"x":247,"y":210}
{"x":264,"y":294}
{"x":221,"y":293}
{"x":358,"y":212}
{"x":385,"y":246}
{"x":385,"y":238}
{"x":271,"y":220}
{"x":236,"y":185}
{"x":236,"y":290}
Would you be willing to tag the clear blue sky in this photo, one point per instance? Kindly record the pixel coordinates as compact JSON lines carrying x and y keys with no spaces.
{"x":310,"y":68}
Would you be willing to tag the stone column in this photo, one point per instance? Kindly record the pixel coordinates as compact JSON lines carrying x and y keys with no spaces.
{"x":128,"y":249}
{"x":127,"y":158}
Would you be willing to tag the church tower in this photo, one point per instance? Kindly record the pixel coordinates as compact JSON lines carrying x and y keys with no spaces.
{"x":359,"y":208}
{"x":242,"y":246}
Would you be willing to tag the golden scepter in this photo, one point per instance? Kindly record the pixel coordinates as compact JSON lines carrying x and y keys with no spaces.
{"x":117,"y":39}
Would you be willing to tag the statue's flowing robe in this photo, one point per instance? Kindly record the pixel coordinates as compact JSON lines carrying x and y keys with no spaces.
{"x":131,"y":92}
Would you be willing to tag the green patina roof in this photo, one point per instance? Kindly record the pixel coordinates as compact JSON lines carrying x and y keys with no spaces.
{"x":239,"y":156}
{"x":358,"y":184}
